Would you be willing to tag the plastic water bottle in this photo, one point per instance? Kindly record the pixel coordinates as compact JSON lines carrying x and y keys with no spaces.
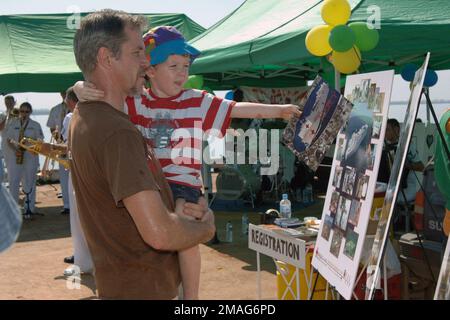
{"x":245,"y":223}
{"x":285,"y":207}
{"x":229,"y":232}
{"x":307,"y":194}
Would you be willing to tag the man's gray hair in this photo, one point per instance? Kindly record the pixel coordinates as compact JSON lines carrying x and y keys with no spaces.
{"x":105,"y":28}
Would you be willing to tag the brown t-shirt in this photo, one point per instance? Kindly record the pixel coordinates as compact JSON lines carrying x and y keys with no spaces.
{"x":110,"y":162}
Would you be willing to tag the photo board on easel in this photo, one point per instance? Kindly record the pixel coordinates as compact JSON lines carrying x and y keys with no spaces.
{"x":352,"y":182}
{"x":379,"y":244}
{"x":443,"y":286}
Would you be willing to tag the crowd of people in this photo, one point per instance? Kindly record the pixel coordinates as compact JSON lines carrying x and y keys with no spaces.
{"x":133,"y":193}
{"x":20,"y":164}
{"x":140,"y":212}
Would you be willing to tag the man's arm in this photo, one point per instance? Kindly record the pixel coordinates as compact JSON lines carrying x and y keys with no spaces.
{"x":164,"y":230}
{"x":252,"y":110}
{"x":413,"y":160}
{"x":2,"y":124}
{"x":51,"y":121}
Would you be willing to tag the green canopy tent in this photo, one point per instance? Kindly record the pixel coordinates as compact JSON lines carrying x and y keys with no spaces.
{"x":262,"y":43}
{"x":36,"y":51}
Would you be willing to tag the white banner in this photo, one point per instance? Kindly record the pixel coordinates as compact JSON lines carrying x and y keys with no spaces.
{"x":274,"y":95}
{"x":282,"y":247}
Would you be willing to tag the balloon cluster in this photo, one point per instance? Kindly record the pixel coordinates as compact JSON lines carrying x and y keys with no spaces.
{"x":409,"y":71}
{"x":344,"y":42}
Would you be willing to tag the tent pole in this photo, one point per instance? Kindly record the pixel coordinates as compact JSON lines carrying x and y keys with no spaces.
{"x":337,"y":80}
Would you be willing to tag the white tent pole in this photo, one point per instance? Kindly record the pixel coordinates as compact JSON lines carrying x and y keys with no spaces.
{"x":337,"y":80}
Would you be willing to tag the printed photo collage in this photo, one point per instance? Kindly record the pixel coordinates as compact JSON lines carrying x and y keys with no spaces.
{"x":309,"y":136}
{"x":357,"y":146}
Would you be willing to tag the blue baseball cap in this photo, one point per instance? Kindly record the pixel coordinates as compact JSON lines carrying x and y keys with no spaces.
{"x":163,"y":41}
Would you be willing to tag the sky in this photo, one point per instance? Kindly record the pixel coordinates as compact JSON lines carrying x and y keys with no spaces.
{"x":204,"y":12}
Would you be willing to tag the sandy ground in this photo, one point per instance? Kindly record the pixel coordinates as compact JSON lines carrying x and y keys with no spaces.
{"x":33,"y":267}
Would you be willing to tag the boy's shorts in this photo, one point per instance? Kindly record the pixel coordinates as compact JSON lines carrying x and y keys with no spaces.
{"x":189,"y":194}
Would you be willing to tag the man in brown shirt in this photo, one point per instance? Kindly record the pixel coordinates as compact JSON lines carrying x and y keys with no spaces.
{"x":125,"y":205}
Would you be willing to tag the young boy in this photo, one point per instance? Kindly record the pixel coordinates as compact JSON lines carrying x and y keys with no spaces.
{"x":165,"y":107}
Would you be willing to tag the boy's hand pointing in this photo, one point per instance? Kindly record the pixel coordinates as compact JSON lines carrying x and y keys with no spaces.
{"x":288,"y":111}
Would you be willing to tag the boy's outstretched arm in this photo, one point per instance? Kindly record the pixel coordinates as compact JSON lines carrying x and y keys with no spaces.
{"x":251,"y":110}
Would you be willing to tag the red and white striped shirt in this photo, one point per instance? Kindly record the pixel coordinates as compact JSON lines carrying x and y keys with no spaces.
{"x":174,"y":128}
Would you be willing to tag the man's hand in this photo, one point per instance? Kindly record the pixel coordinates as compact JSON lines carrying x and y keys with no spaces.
{"x":87,"y":91}
{"x":13,"y":144}
{"x":288,"y":111}
{"x":196,"y":210}
{"x":207,"y":215}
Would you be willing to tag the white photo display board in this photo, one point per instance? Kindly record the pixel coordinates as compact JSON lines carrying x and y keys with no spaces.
{"x":352,"y":181}
{"x":373,"y":268}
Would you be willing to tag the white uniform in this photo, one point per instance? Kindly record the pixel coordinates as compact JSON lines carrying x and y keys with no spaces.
{"x":2,"y":170}
{"x":55,"y":120}
{"x":56,"y":116}
{"x":5,"y":151}
{"x":25,"y":172}
{"x":3,"y":118}
{"x":81,"y":253}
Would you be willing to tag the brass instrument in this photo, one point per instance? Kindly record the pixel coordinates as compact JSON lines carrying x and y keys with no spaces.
{"x":20,"y":151}
{"x":51,"y":151}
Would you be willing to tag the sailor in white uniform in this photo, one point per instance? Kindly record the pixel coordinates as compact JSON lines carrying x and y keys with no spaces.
{"x":55,"y":123}
{"x":82,"y":257}
{"x":5,"y":120}
{"x":22,"y":164}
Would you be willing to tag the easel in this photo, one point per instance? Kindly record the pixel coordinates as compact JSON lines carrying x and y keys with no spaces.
{"x":333,"y":290}
{"x":384,"y":276}
{"x":430,"y":109}
{"x":327,"y":287}
{"x":389,"y":219}
{"x":442,"y":291}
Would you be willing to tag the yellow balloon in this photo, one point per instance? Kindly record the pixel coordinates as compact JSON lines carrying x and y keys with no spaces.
{"x":336,"y":12}
{"x":316,"y":40}
{"x":348,"y":61}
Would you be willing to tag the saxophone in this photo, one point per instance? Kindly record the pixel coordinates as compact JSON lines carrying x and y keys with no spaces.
{"x":50,"y":150}
{"x":20,"y":150}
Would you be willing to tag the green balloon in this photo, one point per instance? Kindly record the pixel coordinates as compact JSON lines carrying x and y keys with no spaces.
{"x":366,"y":39}
{"x":341,"y":38}
{"x":188,"y":85}
{"x":194,"y":82}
